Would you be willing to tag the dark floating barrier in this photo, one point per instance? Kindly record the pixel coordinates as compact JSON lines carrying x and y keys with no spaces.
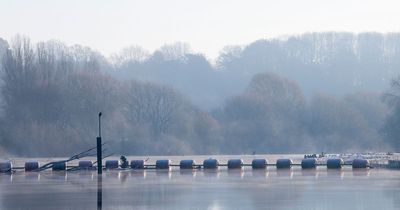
{"x":309,"y":163}
{"x":112,"y":164}
{"x":59,"y":166}
{"x":334,"y":163}
{"x":31,"y":165}
{"x":259,"y":164}
{"x":5,"y":167}
{"x":163,"y":164}
{"x":210,"y":164}
{"x":137,"y":164}
{"x":85,"y":164}
{"x":394,"y":164}
{"x":235,"y":164}
{"x":360,"y":163}
{"x":187,"y":164}
{"x":284,"y":163}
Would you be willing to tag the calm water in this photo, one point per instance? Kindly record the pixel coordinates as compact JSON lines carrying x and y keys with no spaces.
{"x":223,"y":189}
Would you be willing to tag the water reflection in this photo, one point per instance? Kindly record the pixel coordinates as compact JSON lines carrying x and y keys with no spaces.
{"x":236,"y":173}
{"x":260,"y":173}
{"x":284,"y":173}
{"x":188,"y":173}
{"x":202,"y":189}
{"x":112,"y":175}
{"x":123,"y":176}
{"x":361,"y":172}
{"x":99,"y":191}
{"x":141,"y":173}
{"x":6,"y":177}
{"x":86,"y":175}
{"x":163,"y":173}
{"x":32,"y":176}
{"x":211,"y":173}
{"x":310,"y":173}
{"x":58,"y":175}
{"x":335,"y":173}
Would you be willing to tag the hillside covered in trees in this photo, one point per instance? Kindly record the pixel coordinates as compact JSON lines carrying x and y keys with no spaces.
{"x":331,"y":92}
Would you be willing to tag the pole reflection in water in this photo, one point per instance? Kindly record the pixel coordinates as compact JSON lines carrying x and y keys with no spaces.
{"x":99,"y":191}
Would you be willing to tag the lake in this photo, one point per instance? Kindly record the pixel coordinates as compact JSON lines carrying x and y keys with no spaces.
{"x":203,"y":189}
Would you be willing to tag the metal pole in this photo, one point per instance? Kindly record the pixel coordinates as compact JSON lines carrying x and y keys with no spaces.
{"x":100,"y":124}
{"x":99,"y":155}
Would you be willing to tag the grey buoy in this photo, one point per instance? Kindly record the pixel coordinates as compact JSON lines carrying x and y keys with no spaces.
{"x":137,"y":164}
{"x":85,"y":164}
{"x":284,"y":163}
{"x":235,"y":164}
{"x":163,"y":164}
{"x":259,"y":164}
{"x":5,"y":167}
{"x":360,"y":163}
{"x":31,"y":165}
{"x":112,"y":164}
{"x":309,"y":163}
{"x":334,"y":163}
{"x":59,"y":166}
{"x":210,"y":164}
{"x":187,"y":164}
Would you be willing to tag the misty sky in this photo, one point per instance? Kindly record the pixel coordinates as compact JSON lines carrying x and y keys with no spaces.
{"x":206,"y":25}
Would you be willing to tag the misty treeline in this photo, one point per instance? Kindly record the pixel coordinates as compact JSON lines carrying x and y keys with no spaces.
{"x":311,"y":93}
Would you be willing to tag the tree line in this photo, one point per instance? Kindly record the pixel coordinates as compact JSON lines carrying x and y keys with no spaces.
{"x":51,"y":94}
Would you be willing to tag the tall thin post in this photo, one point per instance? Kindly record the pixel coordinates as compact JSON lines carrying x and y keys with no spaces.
{"x":99,"y":155}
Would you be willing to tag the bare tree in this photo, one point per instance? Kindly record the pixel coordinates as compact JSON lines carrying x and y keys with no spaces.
{"x":132,"y":54}
{"x":153,"y":104}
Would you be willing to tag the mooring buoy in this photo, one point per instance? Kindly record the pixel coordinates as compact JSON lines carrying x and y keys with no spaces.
{"x":259,"y":164}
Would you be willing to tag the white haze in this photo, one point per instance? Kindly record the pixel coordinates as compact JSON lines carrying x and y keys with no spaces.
{"x":206,"y":25}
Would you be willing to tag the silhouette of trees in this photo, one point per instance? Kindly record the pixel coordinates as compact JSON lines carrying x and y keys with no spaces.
{"x":294,"y":95}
